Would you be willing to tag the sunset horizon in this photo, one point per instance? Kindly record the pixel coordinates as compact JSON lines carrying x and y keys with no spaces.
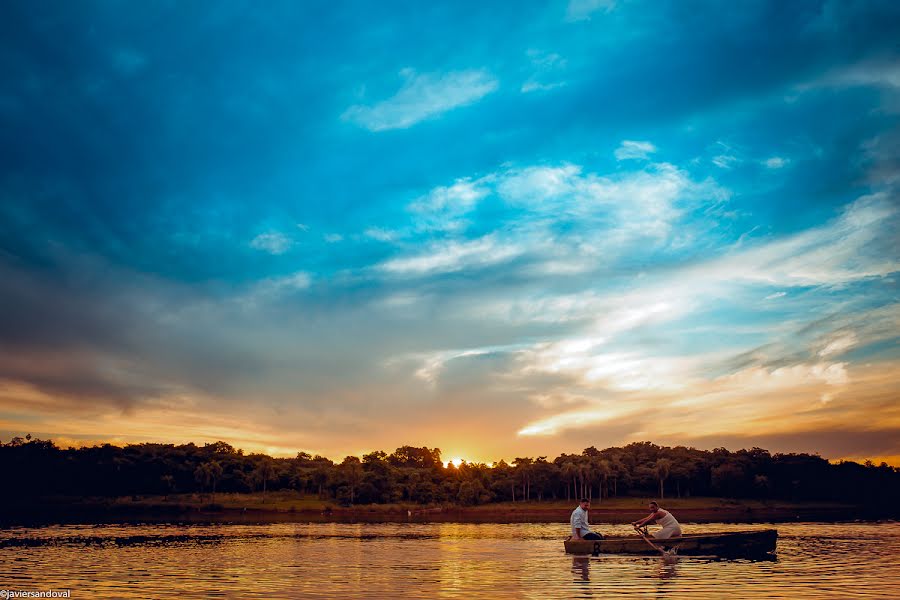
{"x":448,"y":457}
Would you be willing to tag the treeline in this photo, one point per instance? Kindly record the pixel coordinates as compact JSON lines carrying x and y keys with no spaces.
{"x":38,"y":468}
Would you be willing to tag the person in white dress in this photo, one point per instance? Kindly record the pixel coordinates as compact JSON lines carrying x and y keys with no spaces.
{"x":670,"y":526}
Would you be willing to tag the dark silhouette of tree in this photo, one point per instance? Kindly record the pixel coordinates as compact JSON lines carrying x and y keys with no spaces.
{"x":569,"y":470}
{"x":169,"y":483}
{"x":207,"y":475}
{"x":663,"y":468}
{"x":39,"y":469}
{"x":352,"y":471}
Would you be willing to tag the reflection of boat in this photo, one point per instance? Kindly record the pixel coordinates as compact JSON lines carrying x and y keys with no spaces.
{"x":730,"y":543}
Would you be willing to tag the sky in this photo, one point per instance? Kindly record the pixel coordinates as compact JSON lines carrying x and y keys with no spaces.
{"x":500,"y":229}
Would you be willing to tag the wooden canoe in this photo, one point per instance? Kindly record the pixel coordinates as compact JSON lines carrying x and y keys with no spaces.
{"x":731,"y":543}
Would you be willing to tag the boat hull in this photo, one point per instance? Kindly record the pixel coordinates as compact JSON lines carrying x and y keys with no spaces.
{"x":733,"y":543}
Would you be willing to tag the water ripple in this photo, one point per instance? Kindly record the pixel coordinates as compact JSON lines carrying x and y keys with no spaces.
{"x":443,"y":560}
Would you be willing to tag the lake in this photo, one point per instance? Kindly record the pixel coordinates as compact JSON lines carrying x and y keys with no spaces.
{"x":437,"y":560}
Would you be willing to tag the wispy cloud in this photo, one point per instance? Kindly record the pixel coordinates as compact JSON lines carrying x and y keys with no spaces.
{"x":581,"y":10}
{"x":546,"y":71}
{"x":631,"y":150}
{"x":443,"y":207}
{"x":273,"y":242}
{"x":839,"y":344}
{"x":871,"y":73}
{"x":850,"y":248}
{"x":803,"y":367}
{"x":380,"y":234}
{"x":452,"y":256}
{"x":725,"y":161}
{"x":602,"y":215}
{"x":644,"y":203}
{"x":423,"y":96}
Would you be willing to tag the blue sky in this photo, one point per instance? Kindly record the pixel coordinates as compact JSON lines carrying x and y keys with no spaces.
{"x":496,"y":229}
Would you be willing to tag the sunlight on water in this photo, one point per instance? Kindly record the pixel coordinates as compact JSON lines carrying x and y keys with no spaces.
{"x":446,"y":560}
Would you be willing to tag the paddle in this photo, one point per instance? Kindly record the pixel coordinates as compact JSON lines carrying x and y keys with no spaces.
{"x":652,"y":545}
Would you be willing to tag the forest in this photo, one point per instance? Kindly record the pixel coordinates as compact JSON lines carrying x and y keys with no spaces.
{"x":34,"y":468}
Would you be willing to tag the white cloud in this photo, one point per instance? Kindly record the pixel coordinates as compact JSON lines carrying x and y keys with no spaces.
{"x":725,"y":161}
{"x":616,"y":335}
{"x":380,"y":234}
{"x":432,"y":364}
{"x":831,"y":255}
{"x":575,"y":420}
{"x":874,"y":74}
{"x":839,"y":345}
{"x":546,"y":71}
{"x":273,"y":242}
{"x":536,"y":86}
{"x":270,"y":289}
{"x":618,"y":371}
{"x":612,"y":213}
{"x":333,"y":238}
{"x":636,"y":205}
{"x":750,"y":399}
{"x":761,"y":378}
{"x":883,"y":76}
{"x":423,"y":96}
{"x":775,"y":162}
{"x":295,"y":281}
{"x":442,"y":207}
{"x":630,"y":150}
{"x":452,"y":256}
{"x":580,"y":10}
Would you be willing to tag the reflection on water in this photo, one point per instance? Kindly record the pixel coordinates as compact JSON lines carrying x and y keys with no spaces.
{"x":667,"y":566}
{"x":581,"y":568}
{"x":443,"y":560}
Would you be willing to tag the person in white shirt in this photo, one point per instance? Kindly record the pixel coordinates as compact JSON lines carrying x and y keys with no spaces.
{"x":579,"y":522}
{"x":670,"y":527}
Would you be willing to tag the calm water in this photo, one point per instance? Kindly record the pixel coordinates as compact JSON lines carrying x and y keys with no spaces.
{"x":444,"y":560}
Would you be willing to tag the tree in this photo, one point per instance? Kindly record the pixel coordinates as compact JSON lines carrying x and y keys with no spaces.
{"x":208,"y":474}
{"x":603,"y":470}
{"x":617,"y":469}
{"x":569,"y":470}
{"x":168,"y":484}
{"x":410,"y":456}
{"x":472,"y":492}
{"x":320,"y":477}
{"x":414,"y":474}
{"x":663,"y":467}
{"x":374,"y":458}
{"x":352,"y":470}
{"x":727,"y":478}
{"x":523,"y":470}
{"x":263,"y":472}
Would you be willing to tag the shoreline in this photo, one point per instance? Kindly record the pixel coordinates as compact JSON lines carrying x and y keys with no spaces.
{"x":283,"y":507}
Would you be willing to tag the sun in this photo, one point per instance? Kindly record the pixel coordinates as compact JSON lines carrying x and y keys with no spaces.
{"x":454,"y":461}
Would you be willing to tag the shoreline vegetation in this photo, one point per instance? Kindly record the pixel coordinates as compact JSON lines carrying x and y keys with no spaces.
{"x":292,"y":506}
{"x":217,"y":481}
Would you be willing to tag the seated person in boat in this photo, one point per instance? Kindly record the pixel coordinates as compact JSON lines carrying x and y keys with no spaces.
{"x":670,"y":527}
{"x":579,"y":522}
